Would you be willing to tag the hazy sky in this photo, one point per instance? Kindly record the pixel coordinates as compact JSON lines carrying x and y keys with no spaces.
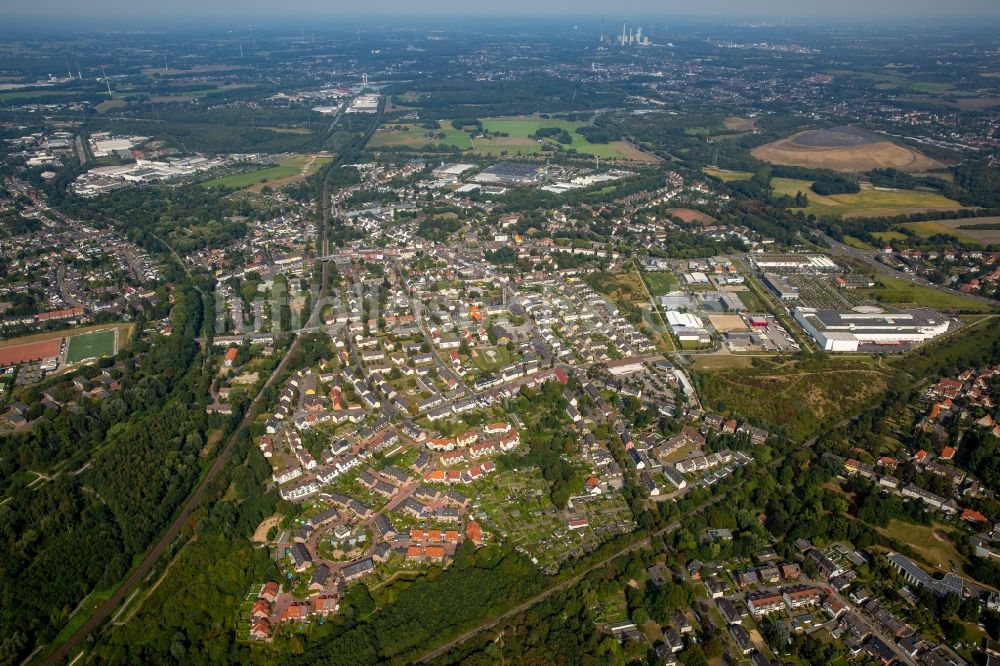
{"x":905,"y":10}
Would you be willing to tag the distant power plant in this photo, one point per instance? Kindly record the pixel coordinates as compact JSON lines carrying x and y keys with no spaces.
{"x":633,"y":37}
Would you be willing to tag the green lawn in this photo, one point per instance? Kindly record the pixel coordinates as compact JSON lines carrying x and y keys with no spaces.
{"x":483,"y":362}
{"x":857,"y":242}
{"x":91,"y":345}
{"x":900,"y":291}
{"x":929,"y":542}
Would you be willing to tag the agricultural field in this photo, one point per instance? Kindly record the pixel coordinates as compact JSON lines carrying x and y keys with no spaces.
{"x":847,"y":149}
{"x":292,"y":169}
{"x":518,"y":141}
{"x":982,"y":230}
{"x":722,"y":360}
{"x":92,"y":345}
{"x":111,"y":105}
{"x":801,"y":398}
{"x":31,"y":94}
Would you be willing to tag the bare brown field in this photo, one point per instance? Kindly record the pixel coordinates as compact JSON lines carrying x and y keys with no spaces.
{"x":807,"y":149}
{"x":633,"y":154}
{"x":690,"y":215}
{"x":726,"y":323}
{"x":722,"y":361}
{"x":738,"y":124}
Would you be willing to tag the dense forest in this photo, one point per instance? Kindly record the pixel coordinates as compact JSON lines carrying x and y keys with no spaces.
{"x":80,"y":531}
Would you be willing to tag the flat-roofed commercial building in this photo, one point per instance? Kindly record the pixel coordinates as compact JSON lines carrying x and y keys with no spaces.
{"x":846,"y":331}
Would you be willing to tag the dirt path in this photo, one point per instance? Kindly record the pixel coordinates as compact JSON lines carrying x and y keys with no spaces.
{"x":260,"y":534}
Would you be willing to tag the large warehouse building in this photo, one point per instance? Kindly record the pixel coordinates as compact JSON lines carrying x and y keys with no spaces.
{"x":846,"y":331}
{"x":792,"y":263}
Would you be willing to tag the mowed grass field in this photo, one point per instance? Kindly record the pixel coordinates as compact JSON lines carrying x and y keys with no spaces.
{"x":728,"y":176}
{"x":414,"y":136}
{"x":897,"y":291}
{"x":521,"y":128}
{"x":857,"y":242}
{"x":516,"y":143}
{"x":925,"y":543}
{"x":660,"y":283}
{"x":91,"y":345}
{"x":953,"y":228}
{"x":888,"y":236}
{"x":289,"y":170}
{"x":869,"y":202}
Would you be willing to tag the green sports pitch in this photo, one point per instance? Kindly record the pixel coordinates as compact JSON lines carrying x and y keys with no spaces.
{"x":91,"y":345}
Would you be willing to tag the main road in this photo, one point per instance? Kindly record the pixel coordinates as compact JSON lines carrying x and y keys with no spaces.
{"x":869,"y":258}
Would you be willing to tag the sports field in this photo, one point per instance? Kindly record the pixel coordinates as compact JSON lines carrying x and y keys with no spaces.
{"x":517,"y":141}
{"x":30,"y":351}
{"x":690,"y":215}
{"x":91,"y":345}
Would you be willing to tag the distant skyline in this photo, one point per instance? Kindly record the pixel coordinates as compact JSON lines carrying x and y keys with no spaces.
{"x":848,"y":10}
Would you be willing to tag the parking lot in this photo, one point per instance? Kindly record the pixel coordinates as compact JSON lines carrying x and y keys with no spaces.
{"x":764,"y":334}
